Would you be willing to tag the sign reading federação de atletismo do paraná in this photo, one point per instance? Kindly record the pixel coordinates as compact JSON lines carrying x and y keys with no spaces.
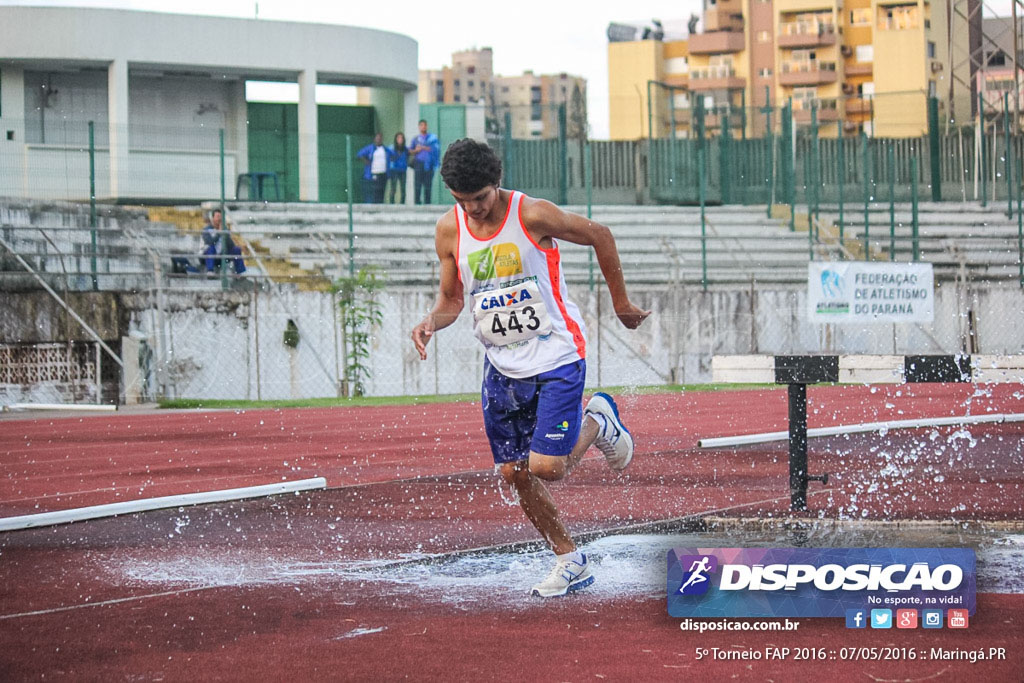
{"x":859,"y":292}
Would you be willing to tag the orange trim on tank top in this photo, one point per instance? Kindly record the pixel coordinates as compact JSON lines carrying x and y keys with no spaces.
{"x":458,"y":246}
{"x":554,"y":258}
{"x":508,"y":209}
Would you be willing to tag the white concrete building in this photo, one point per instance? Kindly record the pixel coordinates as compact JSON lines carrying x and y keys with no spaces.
{"x":160,"y":87}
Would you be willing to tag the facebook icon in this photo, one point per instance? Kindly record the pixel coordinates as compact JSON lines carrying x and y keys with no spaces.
{"x":856,"y":618}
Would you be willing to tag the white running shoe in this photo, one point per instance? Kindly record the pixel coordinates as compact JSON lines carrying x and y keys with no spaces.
{"x":613,"y":439}
{"x":566,"y":577}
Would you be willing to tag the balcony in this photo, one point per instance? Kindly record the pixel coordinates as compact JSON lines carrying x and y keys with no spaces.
{"x":715,"y":78}
{"x":807,"y":72}
{"x":858,"y":105}
{"x":677,"y":80}
{"x":717,"y":43}
{"x":683,"y":119}
{"x":723,"y":18}
{"x":806,"y":34}
{"x":827,"y":110}
{"x":860,"y":69}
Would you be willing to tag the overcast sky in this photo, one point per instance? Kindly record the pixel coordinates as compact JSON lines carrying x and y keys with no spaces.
{"x":547,"y":36}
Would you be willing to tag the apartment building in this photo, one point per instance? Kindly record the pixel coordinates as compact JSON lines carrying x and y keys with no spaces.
{"x":469,"y":79}
{"x":532,"y":100}
{"x":997,"y":81}
{"x":824,"y":55}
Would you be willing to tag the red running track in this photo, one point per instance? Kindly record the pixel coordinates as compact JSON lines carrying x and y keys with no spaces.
{"x":53,"y":464}
{"x":221,"y":592}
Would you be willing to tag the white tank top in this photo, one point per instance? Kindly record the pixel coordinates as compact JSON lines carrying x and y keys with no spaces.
{"x":521,"y":310}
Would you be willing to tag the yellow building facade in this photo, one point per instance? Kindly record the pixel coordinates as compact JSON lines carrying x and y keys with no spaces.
{"x":823,"y":55}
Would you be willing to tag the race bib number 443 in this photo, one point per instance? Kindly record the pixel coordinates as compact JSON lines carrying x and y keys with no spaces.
{"x":511,"y":315}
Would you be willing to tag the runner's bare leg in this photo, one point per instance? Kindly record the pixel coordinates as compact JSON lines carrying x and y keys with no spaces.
{"x":534,"y":497}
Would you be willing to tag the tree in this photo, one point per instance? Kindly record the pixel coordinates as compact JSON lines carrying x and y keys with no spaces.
{"x":361,"y":312}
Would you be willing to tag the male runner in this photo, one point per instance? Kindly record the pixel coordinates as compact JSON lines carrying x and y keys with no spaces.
{"x":499,"y":246}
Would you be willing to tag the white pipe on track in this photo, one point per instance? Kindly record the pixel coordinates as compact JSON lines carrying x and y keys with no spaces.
{"x":92,"y":407}
{"x":765,"y":437}
{"x":146,"y":504}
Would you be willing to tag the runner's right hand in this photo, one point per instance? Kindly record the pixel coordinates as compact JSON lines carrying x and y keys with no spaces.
{"x":421,"y":334}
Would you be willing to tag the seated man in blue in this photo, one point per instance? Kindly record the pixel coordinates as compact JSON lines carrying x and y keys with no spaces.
{"x":218,"y":242}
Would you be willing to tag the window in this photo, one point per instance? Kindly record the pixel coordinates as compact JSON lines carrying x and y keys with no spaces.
{"x":931,"y":89}
{"x":865,"y":53}
{"x":860,"y":17}
{"x":504,"y":88}
{"x":898,"y":18}
{"x":456,"y":83}
{"x":931,"y":50}
{"x":764,"y":36}
{"x":469,"y":84}
{"x":764,"y":73}
{"x":866,"y":89}
{"x":458,"y":98}
{"x":677,"y":65}
{"x":471,"y":69}
{"x":805,"y":94}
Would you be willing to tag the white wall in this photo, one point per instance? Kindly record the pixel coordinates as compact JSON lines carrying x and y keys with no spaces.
{"x":213,"y":338}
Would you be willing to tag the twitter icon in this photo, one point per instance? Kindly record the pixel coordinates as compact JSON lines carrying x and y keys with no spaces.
{"x":881,"y":618}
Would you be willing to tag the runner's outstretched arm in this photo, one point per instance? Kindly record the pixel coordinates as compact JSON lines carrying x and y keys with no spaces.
{"x":544,"y":219}
{"x":450,"y":297}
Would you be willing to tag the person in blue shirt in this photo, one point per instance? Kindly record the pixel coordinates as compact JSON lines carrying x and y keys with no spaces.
{"x":377,"y":159}
{"x":397,"y":169}
{"x":218,"y":242}
{"x":426,"y":151}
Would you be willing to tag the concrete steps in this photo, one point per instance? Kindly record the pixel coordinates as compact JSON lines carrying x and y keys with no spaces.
{"x":654,"y":242}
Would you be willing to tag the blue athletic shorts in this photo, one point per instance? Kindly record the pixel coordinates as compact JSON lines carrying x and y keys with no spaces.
{"x":541,"y":413}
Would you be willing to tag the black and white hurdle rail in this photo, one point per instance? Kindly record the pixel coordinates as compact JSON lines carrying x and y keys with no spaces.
{"x":799,"y":371}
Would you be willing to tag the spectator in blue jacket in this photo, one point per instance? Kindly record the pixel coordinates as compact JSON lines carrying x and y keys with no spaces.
{"x":377,"y":159}
{"x":397,"y":169}
{"x":426,"y":151}
{"x":217,"y":242}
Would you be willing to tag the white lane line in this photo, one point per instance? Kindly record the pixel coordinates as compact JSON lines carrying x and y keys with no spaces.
{"x":107,"y":602}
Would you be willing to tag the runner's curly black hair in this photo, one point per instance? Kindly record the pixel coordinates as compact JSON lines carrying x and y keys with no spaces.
{"x":469,"y":166}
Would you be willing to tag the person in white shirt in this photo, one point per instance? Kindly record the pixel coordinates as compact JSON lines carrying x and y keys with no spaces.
{"x":376,"y":157}
{"x":500,"y":248}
